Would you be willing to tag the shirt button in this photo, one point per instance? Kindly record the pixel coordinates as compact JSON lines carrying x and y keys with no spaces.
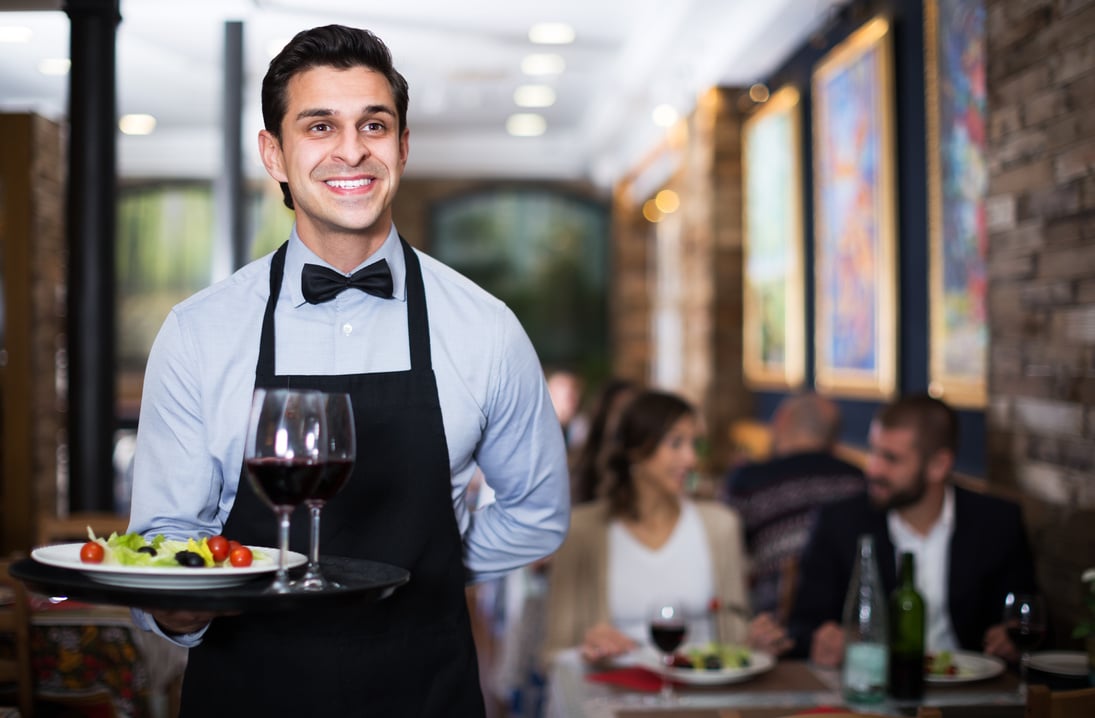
{"x":347,"y":329}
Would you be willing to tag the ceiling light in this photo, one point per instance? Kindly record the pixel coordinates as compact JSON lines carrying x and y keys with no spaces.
{"x":534,"y":96}
{"x":667,"y":201}
{"x":15,"y":33}
{"x":137,"y":124}
{"x":526,"y":124}
{"x":665,"y":115}
{"x":551,"y":33}
{"x":54,"y":66}
{"x":539,"y":64}
{"x":759,"y":92}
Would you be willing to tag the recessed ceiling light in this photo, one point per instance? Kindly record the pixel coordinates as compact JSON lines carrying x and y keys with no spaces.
{"x":664,"y":115}
{"x":54,"y":66}
{"x":137,"y":124}
{"x":539,"y":64}
{"x":534,"y":96}
{"x":551,"y":33}
{"x":526,"y":124}
{"x":15,"y":33}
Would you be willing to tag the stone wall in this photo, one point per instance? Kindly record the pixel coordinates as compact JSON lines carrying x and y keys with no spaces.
{"x":1041,"y":216}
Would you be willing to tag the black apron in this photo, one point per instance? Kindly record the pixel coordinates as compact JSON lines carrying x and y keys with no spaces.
{"x":411,"y":654}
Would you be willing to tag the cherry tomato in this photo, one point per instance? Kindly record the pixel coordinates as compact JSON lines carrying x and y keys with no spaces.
{"x":240,"y":557}
{"x":233,"y":545}
{"x":218,"y":546}
{"x":91,"y":552}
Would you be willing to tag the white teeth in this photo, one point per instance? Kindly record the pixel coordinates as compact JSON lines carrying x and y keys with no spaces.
{"x":348,"y":184}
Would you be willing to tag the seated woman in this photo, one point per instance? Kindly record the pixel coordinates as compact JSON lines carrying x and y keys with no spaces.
{"x":645,"y":540}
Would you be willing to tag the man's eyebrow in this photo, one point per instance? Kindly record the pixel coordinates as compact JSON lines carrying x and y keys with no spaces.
{"x":327,"y":112}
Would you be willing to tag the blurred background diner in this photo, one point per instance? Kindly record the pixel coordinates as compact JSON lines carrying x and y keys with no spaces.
{"x":752,"y":206}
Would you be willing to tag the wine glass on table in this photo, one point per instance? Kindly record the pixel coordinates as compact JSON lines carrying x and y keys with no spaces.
{"x":1025,"y":623}
{"x":667,"y":631}
{"x":284,"y":456}
{"x":341,"y":441}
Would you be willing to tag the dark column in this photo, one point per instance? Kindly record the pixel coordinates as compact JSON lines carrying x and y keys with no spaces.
{"x":90,"y":223}
{"x":230,"y":189}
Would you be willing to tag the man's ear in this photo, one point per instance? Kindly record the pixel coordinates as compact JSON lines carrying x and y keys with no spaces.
{"x":272,"y":158}
{"x":939,"y":465}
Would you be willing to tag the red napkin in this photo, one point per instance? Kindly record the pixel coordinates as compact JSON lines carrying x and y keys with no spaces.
{"x":632,"y":677}
{"x":821,"y":710}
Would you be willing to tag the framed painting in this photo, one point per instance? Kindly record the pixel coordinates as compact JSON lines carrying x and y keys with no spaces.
{"x":774,"y":303}
{"x":954,"y":62}
{"x":855,"y":243}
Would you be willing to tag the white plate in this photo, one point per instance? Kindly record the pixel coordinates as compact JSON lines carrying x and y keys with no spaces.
{"x":760,"y":662}
{"x":971,"y":667}
{"x":1061,"y":663}
{"x":68,"y":556}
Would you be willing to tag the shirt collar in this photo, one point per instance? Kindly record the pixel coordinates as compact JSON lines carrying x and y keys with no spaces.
{"x":901,"y":531}
{"x":297,"y":255}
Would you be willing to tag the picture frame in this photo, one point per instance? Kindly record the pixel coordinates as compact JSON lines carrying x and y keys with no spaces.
{"x":855,"y":230}
{"x":774,"y":331}
{"x":956,"y":106}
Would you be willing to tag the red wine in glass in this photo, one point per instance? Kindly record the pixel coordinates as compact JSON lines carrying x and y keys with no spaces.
{"x":1025,"y":623}
{"x":668,"y":637}
{"x":283,"y":456}
{"x":340,"y":441}
{"x":1026,"y":637}
{"x":284,"y":482}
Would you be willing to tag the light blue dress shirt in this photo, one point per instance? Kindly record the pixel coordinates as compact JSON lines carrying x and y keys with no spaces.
{"x":495,"y":406}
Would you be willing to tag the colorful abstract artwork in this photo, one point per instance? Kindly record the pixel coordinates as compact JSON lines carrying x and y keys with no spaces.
{"x":774,"y":302}
{"x":954,"y":42}
{"x":854,"y":219}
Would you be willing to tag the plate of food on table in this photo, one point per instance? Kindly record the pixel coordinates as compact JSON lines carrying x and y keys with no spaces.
{"x":960,"y":667}
{"x":134,"y":561}
{"x":711,"y":663}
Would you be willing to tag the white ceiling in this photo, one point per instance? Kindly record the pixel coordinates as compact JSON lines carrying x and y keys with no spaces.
{"x":463,"y":63}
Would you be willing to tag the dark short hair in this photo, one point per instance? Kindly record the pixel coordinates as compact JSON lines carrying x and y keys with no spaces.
{"x":932,"y":420}
{"x":642,"y":426}
{"x":335,"y":46}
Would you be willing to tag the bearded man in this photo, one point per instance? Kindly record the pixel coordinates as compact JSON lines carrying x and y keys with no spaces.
{"x":970,"y":549}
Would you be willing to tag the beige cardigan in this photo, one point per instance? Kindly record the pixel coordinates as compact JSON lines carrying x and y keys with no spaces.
{"x":578,"y":589}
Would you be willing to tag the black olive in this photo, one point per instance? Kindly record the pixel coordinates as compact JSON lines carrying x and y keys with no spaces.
{"x":190,"y":559}
{"x":712,"y":662}
{"x":147,"y":549}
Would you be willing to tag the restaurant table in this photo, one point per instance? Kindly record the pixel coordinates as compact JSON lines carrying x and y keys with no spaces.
{"x":791,"y":686}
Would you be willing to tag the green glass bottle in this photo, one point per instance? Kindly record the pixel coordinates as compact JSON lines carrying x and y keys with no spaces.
{"x":907,"y":635}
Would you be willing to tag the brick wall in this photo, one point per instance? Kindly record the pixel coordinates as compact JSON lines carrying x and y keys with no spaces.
{"x":1041,"y":216}
{"x":703,"y":155}
{"x":32,"y":259}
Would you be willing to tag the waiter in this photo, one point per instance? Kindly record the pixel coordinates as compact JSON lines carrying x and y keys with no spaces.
{"x":443,"y":381}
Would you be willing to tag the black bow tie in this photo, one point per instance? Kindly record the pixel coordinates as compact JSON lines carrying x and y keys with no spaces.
{"x":320,"y":284}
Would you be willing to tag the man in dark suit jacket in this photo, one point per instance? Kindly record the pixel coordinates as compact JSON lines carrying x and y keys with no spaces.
{"x":910,"y":502}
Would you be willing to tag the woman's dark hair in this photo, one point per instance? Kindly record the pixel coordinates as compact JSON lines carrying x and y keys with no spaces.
{"x":588,"y":466}
{"x":335,"y":46}
{"x":643,"y":424}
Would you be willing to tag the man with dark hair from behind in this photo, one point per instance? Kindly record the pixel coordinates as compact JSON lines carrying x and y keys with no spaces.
{"x":970,"y":549}
{"x":778,"y":498}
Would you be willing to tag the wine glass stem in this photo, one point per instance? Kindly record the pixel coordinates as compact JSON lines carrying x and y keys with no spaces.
{"x":667,"y":682}
{"x":1024,"y":659}
{"x":283,"y":545}
{"x":313,"y":545}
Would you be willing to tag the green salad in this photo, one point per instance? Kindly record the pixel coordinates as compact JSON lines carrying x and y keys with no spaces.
{"x":716,"y":656}
{"x":133,"y":549}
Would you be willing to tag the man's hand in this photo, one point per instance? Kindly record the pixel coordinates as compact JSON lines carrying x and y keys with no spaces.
{"x":181,"y":622}
{"x":997,"y":643}
{"x":827,"y":647}
{"x":604,"y":641}
{"x":765,"y":634}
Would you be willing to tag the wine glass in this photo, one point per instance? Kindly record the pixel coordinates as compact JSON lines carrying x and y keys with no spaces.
{"x":667,"y":631}
{"x":341,"y":440}
{"x":284,"y":456}
{"x":1025,"y":622}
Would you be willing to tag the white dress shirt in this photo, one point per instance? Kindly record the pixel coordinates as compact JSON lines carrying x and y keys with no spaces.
{"x":931,"y":554}
{"x":494,"y":402}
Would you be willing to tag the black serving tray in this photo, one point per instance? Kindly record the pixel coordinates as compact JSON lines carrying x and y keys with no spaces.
{"x":359,"y":581}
